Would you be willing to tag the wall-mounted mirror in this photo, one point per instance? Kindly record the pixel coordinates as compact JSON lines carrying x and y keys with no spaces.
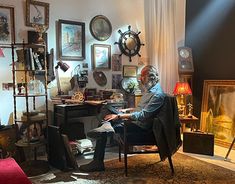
{"x":129,"y":43}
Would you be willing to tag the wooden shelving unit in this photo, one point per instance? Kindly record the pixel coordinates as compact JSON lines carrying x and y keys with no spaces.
{"x":34,"y":121}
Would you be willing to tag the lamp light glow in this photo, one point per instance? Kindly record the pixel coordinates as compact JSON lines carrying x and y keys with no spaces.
{"x":182,"y":89}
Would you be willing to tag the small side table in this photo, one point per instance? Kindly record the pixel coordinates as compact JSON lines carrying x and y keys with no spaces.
{"x":186,"y":120}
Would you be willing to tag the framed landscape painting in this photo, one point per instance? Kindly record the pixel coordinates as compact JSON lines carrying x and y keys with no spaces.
{"x":71,"y":40}
{"x":7,"y":25}
{"x":218,"y":114}
{"x":101,"y":56}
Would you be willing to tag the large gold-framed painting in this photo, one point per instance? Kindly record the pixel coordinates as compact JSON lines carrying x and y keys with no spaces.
{"x":218,"y":110}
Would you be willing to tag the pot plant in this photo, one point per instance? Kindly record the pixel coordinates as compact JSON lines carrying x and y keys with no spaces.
{"x":131,"y":86}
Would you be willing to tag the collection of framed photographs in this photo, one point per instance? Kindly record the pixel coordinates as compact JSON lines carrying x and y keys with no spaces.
{"x":70,"y":37}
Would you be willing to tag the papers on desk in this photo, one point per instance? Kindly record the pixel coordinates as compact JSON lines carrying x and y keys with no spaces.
{"x":80,"y":146}
{"x":73,"y":101}
{"x":95,"y":102}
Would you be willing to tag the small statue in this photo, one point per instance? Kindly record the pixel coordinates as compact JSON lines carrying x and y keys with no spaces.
{"x":190,"y":110}
{"x":40,"y":29}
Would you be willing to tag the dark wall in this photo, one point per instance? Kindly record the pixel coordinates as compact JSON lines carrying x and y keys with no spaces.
{"x":210,"y":32}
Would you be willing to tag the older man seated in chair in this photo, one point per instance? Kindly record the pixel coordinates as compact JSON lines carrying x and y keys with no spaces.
{"x":141,"y":117}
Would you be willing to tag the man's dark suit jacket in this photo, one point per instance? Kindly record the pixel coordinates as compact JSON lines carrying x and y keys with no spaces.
{"x":166,"y":128}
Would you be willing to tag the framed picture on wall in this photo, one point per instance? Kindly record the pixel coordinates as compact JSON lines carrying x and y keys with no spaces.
{"x":101,"y":56}
{"x":37,"y":13}
{"x":116,"y":62}
{"x":100,"y":27}
{"x":7,"y":26}
{"x":217,"y":113}
{"x":71,"y":40}
{"x":116,"y":81}
{"x":130,"y":71}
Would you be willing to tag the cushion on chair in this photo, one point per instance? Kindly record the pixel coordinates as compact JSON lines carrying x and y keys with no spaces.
{"x":11,"y":173}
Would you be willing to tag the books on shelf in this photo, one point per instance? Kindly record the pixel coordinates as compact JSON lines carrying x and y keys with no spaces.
{"x":31,"y":59}
{"x":37,"y":62}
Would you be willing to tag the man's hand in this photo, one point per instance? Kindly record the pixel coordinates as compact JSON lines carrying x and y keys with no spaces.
{"x":110,"y":117}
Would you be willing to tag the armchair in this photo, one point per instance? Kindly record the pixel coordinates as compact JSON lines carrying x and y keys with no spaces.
{"x":165,"y":134}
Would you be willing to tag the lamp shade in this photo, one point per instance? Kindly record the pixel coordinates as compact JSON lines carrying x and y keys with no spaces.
{"x":182,"y":88}
{"x":63,"y":66}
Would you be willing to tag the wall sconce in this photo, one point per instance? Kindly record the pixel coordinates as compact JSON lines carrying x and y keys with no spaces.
{"x":64,"y":67}
{"x":182,"y":89}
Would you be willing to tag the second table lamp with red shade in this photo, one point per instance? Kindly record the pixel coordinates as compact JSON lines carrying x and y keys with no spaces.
{"x":182,"y":89}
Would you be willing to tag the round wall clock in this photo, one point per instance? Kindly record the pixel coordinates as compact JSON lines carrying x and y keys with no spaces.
{"x":129,"y":43}
{"x":185,"y":60}
{"x":100,"y":27}
{"x":184,"y":53}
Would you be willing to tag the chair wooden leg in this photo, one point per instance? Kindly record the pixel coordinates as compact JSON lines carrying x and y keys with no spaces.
{"x":171,"y":165}
{"x":119,"y":153}
{"x":125,"y":159}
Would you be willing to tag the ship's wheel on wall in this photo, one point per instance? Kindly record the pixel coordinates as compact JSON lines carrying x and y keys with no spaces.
{"x":129,"y":43}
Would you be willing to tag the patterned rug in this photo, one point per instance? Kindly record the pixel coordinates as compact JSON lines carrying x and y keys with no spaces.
{"x":145,"y":169}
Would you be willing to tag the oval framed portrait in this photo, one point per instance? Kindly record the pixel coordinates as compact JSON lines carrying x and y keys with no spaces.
{"x":100,"y":28}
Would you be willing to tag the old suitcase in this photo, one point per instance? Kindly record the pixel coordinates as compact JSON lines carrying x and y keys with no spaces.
{"x":198,"y":142}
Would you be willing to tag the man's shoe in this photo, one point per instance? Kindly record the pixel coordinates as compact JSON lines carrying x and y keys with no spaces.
{"x":106,"y":127}
{"x":92,"y":166}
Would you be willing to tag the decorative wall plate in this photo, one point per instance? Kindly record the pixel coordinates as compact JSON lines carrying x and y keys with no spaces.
{"x":100,"y":78}
{"x":100,"y":27}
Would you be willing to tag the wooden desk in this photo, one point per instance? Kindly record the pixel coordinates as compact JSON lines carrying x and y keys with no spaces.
{"x":68,"y":113}
{"x":191,"y":121}
{"x":68,"y":117}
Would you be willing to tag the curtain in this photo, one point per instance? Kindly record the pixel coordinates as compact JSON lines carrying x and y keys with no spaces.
{"x":161,"y":42}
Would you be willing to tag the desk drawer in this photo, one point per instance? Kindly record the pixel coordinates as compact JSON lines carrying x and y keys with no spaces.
{"x":78,"y":113}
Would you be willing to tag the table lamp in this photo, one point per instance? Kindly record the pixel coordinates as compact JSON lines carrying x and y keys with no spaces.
{"x":182,"y":89}
{"x":64,"y":67}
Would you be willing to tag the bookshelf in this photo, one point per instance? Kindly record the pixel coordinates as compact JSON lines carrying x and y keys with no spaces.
{"x":28,"y":61}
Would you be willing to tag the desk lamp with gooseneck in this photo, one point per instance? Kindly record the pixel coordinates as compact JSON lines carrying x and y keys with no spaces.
{"x":64,"y":67}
